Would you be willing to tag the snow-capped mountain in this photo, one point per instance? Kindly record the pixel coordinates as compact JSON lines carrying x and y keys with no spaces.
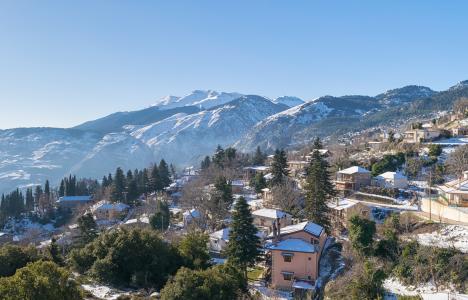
{"x":289,"y":101}
{"x":183,"y":130}
{"x":200,"y":98}
{"x":195,"y":135}
{"x":404,"y":94}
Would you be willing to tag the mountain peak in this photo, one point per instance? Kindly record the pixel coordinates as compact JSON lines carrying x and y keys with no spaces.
{"x":290,"y":101}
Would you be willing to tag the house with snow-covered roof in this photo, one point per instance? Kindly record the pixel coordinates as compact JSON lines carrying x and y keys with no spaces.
{"x":219,"y":239}
{"x":106,"y":210}
{"x":295,"y":253}
{"x":265,"y":217}
{"x":352,"y":179}
{"x":72,"y":202}
{"x":455,"y":192}
{"x":342,"y":209}
{"x":394,"y":180}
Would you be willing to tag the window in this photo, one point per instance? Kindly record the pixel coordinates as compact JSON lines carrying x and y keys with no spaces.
{"x":287,"y":258}
{"x":288,"y":276}
{"x":310,"y":258}
{"x":314,"y":241}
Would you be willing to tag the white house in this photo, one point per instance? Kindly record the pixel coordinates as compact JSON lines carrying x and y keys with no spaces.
{"x":392,"y":180}
{"x":219,"y":240}
{"x":190,"y":216}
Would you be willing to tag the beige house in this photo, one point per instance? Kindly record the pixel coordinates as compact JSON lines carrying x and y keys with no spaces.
{"x":455,"y":192}
{"x":105,"y":210}
{"x":295,"y":256}
{"x":343,"y":209}
{"x":415,"y":136}
{"x":352,"y":179}
{"x":265,"y":217}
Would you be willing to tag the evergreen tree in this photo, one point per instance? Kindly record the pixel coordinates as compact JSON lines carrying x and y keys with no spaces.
{"x":47,"y":188}
{"x":53,"y":252}
{"x":37,"y":195}
{"x":173,"y":171}
{"x":258,"y":182}
{"x":164,"y":174}
{"x":194,"y":250}
{"x":105,"y":182}
{"x":319,"y":190}
{"x":62,"y":188}
{"x":361,"y":234}
{"x":118,"y":186}
{"x":29,"y":199}
{"x":205,"y":164}
{"x":242,"y":249}
{"x":279,"y":167}
{"x":161,"y":219}
{"x":155,"y":181}
{"x":317,"y":144}
{"x":88,"y":228}
{"x":259,"y":157}
{"x":132,"y":191}
{"x":218,"y":157}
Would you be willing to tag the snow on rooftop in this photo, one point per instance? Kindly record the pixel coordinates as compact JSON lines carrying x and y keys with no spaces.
{"x":270,"y":213}
{"x":392,"y":175}
{"x":294,"y":245}
{"x":342,"y":204}
{"x":106,"y":205}
{"x":307,"y":226}
{"x":222,"y":234}
{"x":354,"y":170}
{"x":75,"y":198}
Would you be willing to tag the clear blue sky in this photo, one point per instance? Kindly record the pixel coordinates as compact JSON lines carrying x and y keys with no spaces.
{"x":65,"y":62}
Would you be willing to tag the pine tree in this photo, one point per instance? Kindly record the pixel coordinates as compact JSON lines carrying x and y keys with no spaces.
{"x":62,"y":188}
{"x":118,"y":186}
{"x":205,"y":164}
{"x":259,"y":157}
{"x":242,"y":249}
{"x":258,"y":182}
{"x":218,"y":157}
{"x":88,"y":228}
{"x":161,"y":219}
{"x":319,"y":190}
{"x":155,"y":181}
{"x":164,"y":174}
{"x":279,"y":167}
{"x":317,"y":144}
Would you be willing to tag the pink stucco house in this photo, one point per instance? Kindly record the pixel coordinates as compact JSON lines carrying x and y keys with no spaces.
{"x":295,"y":255}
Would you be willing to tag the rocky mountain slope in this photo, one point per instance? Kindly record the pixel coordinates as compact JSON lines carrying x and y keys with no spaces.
{"x":184,"y":129}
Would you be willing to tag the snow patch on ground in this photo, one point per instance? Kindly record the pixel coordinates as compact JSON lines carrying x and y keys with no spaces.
{"x":103,"y":292}
{"x":427,"y":291}
{"x":446,"y":237}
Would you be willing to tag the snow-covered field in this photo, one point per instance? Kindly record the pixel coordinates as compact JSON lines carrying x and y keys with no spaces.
{"x":102,"y":291}
{"x":448,"y":236}
{"x":428,"y":291}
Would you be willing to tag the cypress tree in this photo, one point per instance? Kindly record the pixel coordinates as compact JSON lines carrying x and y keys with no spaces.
{"x":155,"y":181}
{"x":242,"y":249}
{"x":29,"y":200}
{"x":62,"y":188}
{"x":118,"y":186}
{"x":319,"y":190}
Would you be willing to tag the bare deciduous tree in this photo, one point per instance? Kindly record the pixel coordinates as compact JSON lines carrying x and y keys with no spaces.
{"x":457,"y":161}
{"x":287,"y":197}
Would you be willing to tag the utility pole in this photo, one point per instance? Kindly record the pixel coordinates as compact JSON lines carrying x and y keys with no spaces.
{"x":430,"y":195}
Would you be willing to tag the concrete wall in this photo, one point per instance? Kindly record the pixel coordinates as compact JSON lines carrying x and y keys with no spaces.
{"x":440,"y":212}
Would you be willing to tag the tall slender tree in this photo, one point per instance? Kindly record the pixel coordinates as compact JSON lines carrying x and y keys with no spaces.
{"x":118,"y":186}
{"x":279,"y":167}
{"x":164,"y":174}
{"x":319,"y":190}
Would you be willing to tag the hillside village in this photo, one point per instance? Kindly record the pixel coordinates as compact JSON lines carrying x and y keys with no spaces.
{"x":380,"y":215}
